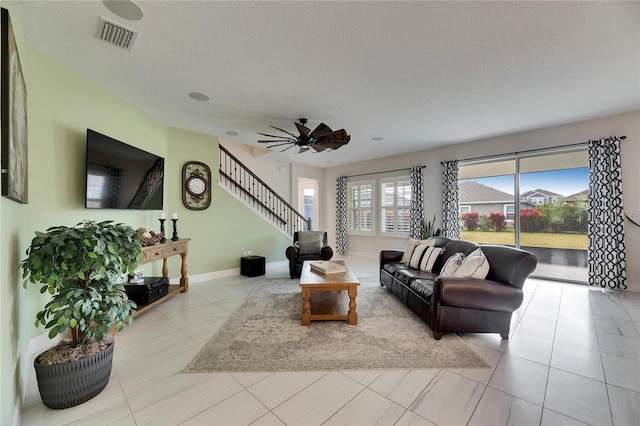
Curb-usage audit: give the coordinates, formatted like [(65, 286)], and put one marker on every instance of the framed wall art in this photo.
[(13, 136)]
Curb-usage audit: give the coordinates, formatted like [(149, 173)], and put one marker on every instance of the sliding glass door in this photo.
[(552, 190)]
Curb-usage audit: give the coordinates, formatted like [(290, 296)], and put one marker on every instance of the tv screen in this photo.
[(121, 176)]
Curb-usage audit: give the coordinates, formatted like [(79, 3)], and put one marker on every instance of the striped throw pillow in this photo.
[(424, 257)]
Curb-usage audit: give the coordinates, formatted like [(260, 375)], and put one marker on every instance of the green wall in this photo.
[(62, 104), (220, 234)]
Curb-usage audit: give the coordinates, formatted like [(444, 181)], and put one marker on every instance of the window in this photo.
[(395, 205), (510, 212), (360, 207), (464, 209), (551, 213)]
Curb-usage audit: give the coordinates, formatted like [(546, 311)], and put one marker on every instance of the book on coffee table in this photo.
[(326, 267)]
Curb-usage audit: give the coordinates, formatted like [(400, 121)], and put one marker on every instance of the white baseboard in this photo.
[(634, 287), (207, 276), (35, 347)]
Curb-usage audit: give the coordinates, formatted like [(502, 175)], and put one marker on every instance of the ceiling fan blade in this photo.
[(276, 140), (317, 147), (335, 140), (283, 131), (321, 131), (276, 136), (302, 129), (289, 147), (280, 144)]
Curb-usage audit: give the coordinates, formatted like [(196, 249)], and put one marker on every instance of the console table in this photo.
[(164, 251)]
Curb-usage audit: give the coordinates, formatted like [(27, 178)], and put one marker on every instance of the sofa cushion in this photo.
[(451, 265), (475, 265), (422, 287), (424, 257), (405, 276), (309, 247), (392, 268)]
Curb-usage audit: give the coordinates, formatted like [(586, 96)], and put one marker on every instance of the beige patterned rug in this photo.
[(265, 334)]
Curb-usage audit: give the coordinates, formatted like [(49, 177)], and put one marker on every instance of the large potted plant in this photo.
[(81, 268)]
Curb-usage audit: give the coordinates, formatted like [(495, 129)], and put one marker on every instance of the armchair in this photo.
[(307, 245)]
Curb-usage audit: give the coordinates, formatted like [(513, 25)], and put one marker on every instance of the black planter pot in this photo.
[(70, 384)]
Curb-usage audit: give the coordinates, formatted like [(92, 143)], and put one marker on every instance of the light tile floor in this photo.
[(573, 358)]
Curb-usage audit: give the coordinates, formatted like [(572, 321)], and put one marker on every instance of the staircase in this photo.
[(149, 186), (242, 183)]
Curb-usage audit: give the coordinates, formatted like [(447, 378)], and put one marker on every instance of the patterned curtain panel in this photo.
[(606, 254), (417, 202), (341, 215), (112, 188), (450, 220)]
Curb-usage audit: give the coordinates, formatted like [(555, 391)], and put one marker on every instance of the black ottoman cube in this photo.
[(252, 266)]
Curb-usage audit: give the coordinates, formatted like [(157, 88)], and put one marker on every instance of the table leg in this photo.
[(353, 315), (184, 278), (306, 306)]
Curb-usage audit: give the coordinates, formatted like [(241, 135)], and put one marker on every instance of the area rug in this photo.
[(265, 334)]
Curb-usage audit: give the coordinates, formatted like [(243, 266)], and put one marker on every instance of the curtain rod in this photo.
[(377, 173), (528, 151)]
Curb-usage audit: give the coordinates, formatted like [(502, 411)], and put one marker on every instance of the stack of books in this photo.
[(326, 267)]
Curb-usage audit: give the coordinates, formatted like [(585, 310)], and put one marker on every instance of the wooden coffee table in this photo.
[(329, 302)]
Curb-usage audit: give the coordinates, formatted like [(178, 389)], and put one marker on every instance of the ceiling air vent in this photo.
[(116, 34)]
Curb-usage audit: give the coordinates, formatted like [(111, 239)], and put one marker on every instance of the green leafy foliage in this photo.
[(428, 229), (80, 267)]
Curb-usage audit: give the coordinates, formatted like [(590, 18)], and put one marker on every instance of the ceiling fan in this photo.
[(320, 139)]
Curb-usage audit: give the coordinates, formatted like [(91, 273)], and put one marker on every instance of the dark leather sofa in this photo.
[(461, 305), (297, 257)]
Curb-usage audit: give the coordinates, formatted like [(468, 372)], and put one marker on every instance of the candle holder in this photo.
[(164, 239), (175, 230)]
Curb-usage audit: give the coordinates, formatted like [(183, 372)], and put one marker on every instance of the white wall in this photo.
[(616, 125)]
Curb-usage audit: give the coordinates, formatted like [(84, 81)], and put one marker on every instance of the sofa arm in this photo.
[(292, 253), (387, 256), (326, 253), (473, 293)]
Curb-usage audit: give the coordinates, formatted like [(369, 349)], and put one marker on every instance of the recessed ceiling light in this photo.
[(126, 9), (377, 138), (231, 133), (199, 96)]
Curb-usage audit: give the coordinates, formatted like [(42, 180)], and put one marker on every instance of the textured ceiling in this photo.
[(418, 74)]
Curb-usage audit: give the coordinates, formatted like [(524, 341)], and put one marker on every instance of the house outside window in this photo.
[(395, 206), (509, 213), (360, 207)]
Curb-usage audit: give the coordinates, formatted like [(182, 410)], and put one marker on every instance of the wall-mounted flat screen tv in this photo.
[(121, 176)]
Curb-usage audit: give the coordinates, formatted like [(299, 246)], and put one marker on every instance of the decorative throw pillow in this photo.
[(451, 265), (411, 244), (424, 257), (309, 247), (475, 265), (408, 251)]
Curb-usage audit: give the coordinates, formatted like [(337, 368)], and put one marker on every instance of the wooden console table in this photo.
[(164, 251)]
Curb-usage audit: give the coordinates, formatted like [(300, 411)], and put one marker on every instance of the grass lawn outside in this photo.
[(531, 239)]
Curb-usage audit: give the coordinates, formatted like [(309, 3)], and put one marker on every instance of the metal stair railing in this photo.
[(151, 183), (254, 192)]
